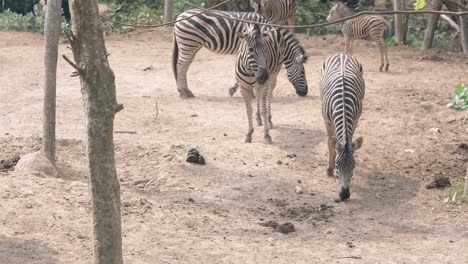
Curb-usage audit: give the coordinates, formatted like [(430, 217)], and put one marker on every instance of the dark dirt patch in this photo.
[(9, 164), (271, 223), (305, 212), (194, 156), (285, 228), (441, 182)]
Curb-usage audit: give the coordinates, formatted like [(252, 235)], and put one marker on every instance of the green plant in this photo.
[(457, 192), (28, 22), (459, 98), (135, 14)]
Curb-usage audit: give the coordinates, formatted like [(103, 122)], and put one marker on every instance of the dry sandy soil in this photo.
[(176, 212)]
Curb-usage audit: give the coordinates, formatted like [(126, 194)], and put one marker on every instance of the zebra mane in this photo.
[(345, 158), (348, 10)]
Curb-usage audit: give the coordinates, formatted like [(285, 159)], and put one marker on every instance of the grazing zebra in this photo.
[(258, 63), (277, 11), (342, 91), (361, 27), (214, 32)]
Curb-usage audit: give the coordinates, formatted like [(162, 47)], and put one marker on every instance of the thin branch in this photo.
[(451, 22), (74, 65), (157, 110)]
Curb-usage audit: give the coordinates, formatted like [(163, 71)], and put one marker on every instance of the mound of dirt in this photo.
[(36, 163)]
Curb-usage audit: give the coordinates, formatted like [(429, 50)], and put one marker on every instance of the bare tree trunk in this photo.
[(431, 26), (399, 23), (51, 40), (465, 192), (463, 30), (167, 11), (98, 89)]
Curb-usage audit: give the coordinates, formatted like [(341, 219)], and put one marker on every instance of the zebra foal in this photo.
[(342, 91), (276, 11), (262, 52), (215, 31), (361, 27)]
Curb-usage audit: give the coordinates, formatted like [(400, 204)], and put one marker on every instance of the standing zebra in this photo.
[(258, 63), (215, 32), (342, 91), (361, 27), (277, 11)]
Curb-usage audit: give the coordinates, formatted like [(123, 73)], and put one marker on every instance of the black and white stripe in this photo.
[(361, 27), (258, 63), (211, 30), (342, 91), (277, 11)]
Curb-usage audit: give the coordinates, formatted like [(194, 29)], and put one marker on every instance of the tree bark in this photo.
[(51, 40), (431, 26), (463, 31), (167, 11), (465, 191), (100, 103), (399, 23)]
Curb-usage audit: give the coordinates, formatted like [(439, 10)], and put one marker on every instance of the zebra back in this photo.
[(342, 91), (212, 30), (277, 11)]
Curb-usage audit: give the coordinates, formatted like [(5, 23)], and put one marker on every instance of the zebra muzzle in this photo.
[(262, 76)]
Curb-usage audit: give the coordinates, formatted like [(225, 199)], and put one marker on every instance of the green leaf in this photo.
[(419, 4)]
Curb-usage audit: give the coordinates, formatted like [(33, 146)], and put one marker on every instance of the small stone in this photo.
[(285, 228), (191, 200), (299, 190), (279, 162)]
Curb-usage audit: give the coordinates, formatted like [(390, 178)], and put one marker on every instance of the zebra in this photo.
[(277, 11), (262, 52), (215, 32), (361, 27), (342, 91)]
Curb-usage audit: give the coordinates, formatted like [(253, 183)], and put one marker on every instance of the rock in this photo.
[(9, 164), (299, 190), (440, 182), (271, 223), (36, 163)]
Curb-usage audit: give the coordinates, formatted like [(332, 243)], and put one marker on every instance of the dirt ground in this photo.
[(176, 212)]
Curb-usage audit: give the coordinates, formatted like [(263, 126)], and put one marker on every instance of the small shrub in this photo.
[(459, 98), (457, 192), (137, 14)]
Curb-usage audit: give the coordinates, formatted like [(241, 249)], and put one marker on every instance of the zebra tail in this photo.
[(175, 56), (387, 24)]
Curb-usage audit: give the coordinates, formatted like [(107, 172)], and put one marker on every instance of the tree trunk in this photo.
[(463, 32), (465, 192), (431, 26), (99, 96), (399, 23), (167, 11), (51, 40)]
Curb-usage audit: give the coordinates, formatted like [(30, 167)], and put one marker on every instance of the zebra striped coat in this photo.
[(342, 91), (361, 27), (210, 30), (277, 11), (258, 63)]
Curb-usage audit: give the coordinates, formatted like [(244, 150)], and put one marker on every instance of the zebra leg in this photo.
[(264, 111), (386, 56), (271, 88), (258, 97), (382, 50), (291, 22), (348, 45), (183, 63), (331, 150), (246, 93)]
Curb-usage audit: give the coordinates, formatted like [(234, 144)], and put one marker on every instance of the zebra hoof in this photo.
[(386, 67), (186, 94), (248, 139), (268, 139), (330, 172)]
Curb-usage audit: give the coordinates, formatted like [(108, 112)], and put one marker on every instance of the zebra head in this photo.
[(338, 11), (294, 63), (344, 164), (254, 50)]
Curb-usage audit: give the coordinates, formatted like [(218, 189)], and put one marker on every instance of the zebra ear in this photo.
[(357, 144), (302, 58)]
